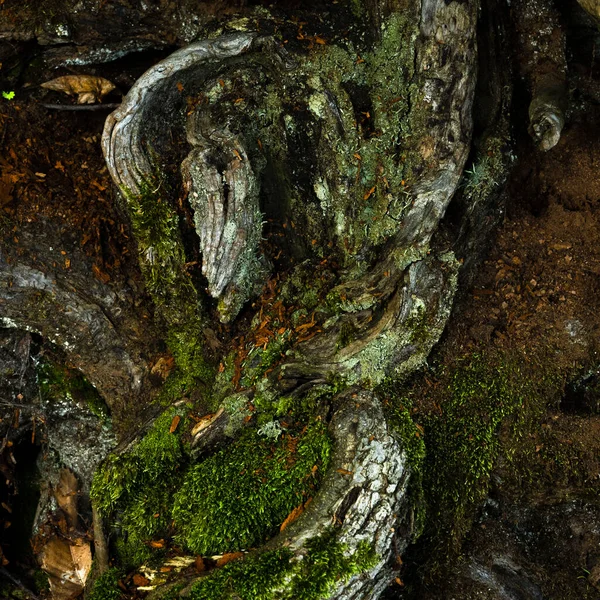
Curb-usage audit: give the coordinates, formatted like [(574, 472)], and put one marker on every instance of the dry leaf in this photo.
[(163, 367), (345, 472), (292, 516), (140, 580), (227, 558), (199, 564), (205, 421), (157, 544), (88, 88), (174, 424), (67, 565), (66, 496)]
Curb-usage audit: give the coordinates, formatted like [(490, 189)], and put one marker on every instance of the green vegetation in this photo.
[(106, 587), (274, 575), (58, 383), (137, 487), (238, 497), (155, 225), (485, 396), (234, 499), (8, 95)]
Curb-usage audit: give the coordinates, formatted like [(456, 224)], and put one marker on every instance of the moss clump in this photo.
[(463, 442), (398, 410), (106, 587), (238, 497), (276, 574), (155, 225), (58, 383), (136, 488)]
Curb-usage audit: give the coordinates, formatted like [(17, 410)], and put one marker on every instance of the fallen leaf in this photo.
[(205, 422), (157, 543), (227, 558), (88, 88), (174, 424), (369, 193), (140, 580), (345, 472), (199, 564), (66, 496), (68, 565), (101, 275), (296, 512)]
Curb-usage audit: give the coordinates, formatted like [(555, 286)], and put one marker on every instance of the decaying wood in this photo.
[(543, 63), (405, 289), (226, 211)]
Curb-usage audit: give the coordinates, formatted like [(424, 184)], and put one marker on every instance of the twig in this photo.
[(99, 541), (6, 574), (109, 106)]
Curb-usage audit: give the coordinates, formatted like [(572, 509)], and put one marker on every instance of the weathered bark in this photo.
[(357, 170), (396, 308)]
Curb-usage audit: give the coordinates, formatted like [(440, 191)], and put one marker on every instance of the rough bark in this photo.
[(300, 135)]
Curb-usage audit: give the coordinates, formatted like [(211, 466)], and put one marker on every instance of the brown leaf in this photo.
[(199, 564), (157, 543), (88, 87), (292, 516), (68, 566), (66, 496), (345, 472), (205, 421), (174, 424), (227, 558), (101, 275), (139, 580)]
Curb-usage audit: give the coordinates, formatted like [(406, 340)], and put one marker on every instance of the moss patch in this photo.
[(155, 225), (136, 488), (469, 412), (59, 382), (238, 497), (106, 587), (273, 574)]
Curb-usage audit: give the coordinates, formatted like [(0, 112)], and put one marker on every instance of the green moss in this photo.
[(238, 497), (136, 488), (40, 579), (487, 172), (398, 409), (58, 383), (155, 225), (106, 587), (276, 575), (463, 442)]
